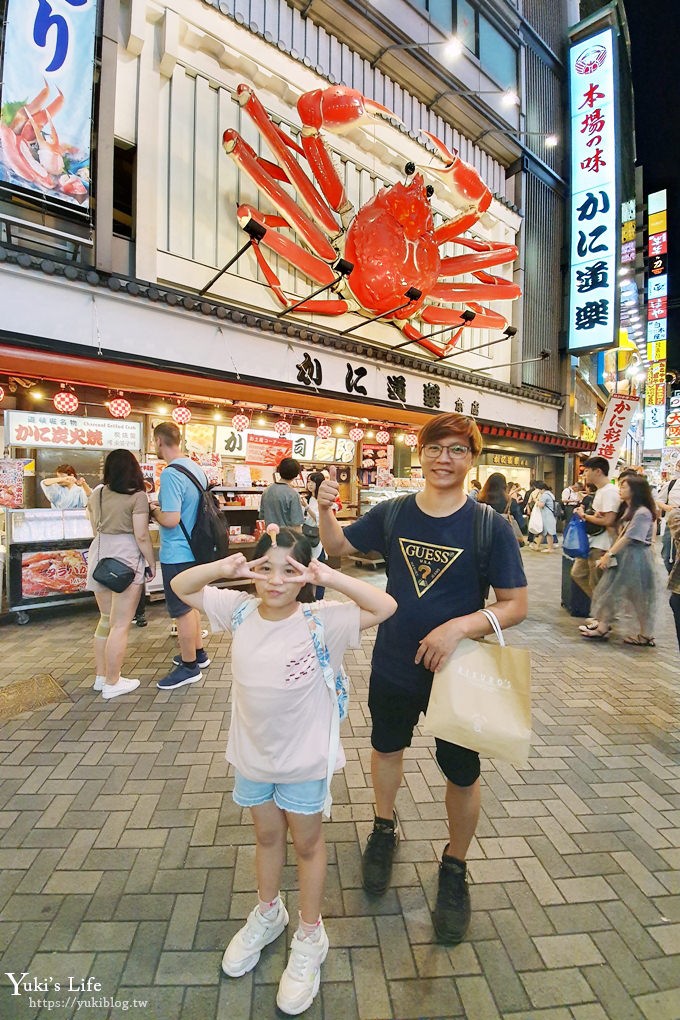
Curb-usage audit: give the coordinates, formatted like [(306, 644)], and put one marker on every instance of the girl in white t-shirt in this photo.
[(281, 739)]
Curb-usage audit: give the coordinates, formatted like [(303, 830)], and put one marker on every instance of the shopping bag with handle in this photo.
[(481, 698)]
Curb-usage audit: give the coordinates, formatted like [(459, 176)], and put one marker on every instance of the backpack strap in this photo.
[(316, 629), (482, 537), (188, 474), (394, 508)]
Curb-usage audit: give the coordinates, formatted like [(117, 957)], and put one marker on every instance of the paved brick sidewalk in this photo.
[(124, 859)]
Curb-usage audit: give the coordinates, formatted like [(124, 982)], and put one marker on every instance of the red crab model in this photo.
[(391, 241)]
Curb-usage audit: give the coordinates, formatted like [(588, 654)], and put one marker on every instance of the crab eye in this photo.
[(410, 169), (429, 191)]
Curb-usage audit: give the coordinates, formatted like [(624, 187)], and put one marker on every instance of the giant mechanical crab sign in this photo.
[(391, 241)]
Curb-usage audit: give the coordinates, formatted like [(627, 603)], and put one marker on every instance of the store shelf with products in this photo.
[(370, 497)]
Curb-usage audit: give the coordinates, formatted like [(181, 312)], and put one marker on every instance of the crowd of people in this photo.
[(288, 640)]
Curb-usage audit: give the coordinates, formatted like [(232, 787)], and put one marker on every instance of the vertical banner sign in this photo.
[(657, 321), (46, 98), (614, 427), (594, 201)]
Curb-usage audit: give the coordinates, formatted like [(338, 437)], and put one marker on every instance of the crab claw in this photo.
[(467, 192), (339, 109)]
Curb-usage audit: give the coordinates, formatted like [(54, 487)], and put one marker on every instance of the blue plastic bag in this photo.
[(575, 541)]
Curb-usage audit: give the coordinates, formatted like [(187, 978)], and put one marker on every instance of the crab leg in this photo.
[(241, 153), (311, 266), (466, 190), (484, 317), (486, 255), (310, 198), (20, 159), (25, 129), (490, 288), (417, 337)]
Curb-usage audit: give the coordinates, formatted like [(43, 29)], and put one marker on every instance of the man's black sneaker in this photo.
[(376, 863), (451, 916), (202, 661)]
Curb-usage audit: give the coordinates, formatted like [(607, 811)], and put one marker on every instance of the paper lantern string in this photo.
[(272, 531)]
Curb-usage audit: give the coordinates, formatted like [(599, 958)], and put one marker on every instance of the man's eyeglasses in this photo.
[(434, 450)]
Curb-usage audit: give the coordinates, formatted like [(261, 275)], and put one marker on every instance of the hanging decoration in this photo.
[(281, 427), (119, 407), (411, 439), (2, 394), (240, 422), (65, 400), (324, 431), (181, 414), (356, 434), (382, 436)]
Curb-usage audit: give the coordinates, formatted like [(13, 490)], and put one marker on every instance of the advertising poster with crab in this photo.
[(46, 98), (55, 572), (12, 483)]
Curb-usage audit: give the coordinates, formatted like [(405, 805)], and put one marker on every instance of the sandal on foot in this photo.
[(640, 640), (596, 635), (587, 628)]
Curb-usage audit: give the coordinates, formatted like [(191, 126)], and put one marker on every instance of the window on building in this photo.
[(466, 25), (124, 164), (441, 13), (497, 55)]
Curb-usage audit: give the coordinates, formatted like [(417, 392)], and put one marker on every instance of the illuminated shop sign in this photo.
[(595, 240), (657, 321)]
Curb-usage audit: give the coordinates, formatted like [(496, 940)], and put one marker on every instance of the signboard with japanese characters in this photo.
[(614, 427), (46, 98), (657, 321), (595, 236), (33, 429)]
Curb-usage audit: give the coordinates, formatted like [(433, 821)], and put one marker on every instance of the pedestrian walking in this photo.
[(628, 567), (668, 500), (570, 499), (475, 488), (176, 516), (439, 569), (119, 514), (280, 503), (546, 504), (282, 741), (673, 524), (496, 493), (600, 518)]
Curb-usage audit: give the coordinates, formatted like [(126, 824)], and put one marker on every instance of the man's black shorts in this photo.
[(173, 603), (395, 712)]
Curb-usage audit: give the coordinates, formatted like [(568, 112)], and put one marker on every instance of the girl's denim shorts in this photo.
[(300, 798)]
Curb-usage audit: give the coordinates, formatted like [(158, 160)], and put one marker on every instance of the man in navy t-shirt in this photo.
[(434, 576)]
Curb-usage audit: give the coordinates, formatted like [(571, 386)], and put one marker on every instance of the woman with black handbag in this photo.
[(119, 557)]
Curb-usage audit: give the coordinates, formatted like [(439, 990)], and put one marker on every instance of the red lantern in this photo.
[(65, 401), (2, 394), (324, 431), (356, 434), (240, 422), (181, 414), (282, 427), (119, 407), (411, 439), (382, 437)]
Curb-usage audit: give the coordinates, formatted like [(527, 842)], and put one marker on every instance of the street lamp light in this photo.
[(454, 48)]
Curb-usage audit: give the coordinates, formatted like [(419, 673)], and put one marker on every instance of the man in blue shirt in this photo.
[(434, 576), (179, 500)]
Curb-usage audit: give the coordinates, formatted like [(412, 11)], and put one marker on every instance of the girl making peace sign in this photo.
[(281, 735)]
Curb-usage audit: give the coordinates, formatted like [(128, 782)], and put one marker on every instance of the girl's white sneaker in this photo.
[(300, 980), (124, 686), (244, 950)]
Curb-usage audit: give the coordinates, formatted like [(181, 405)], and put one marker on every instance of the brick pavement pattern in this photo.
[(125, 860)]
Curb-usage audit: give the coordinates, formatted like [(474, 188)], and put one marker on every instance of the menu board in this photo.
[(12, 483), (267, 450)]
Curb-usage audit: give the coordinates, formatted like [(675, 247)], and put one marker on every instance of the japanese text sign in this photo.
[(266, 450), (34, 429), (595, 235), (614, 427), (46, 98)]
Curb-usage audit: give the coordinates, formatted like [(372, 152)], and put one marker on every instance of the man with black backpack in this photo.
[(442, 550), (181, 485)]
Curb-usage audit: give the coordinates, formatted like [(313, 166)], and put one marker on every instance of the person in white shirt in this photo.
[(599, 523), (668, 500), (283, 738), (570, 499)]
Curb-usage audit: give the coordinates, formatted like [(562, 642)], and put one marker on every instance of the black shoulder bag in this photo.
[(112, 573)]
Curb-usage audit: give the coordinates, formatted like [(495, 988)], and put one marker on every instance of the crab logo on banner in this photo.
[(390, 245), (594, 198), (46, 98)]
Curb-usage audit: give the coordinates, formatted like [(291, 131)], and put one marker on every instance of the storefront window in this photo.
[(497, 55)]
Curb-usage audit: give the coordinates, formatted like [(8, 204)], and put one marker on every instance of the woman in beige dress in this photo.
[(119, 513)]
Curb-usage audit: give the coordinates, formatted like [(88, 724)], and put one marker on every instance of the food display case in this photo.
[(46, 558)]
